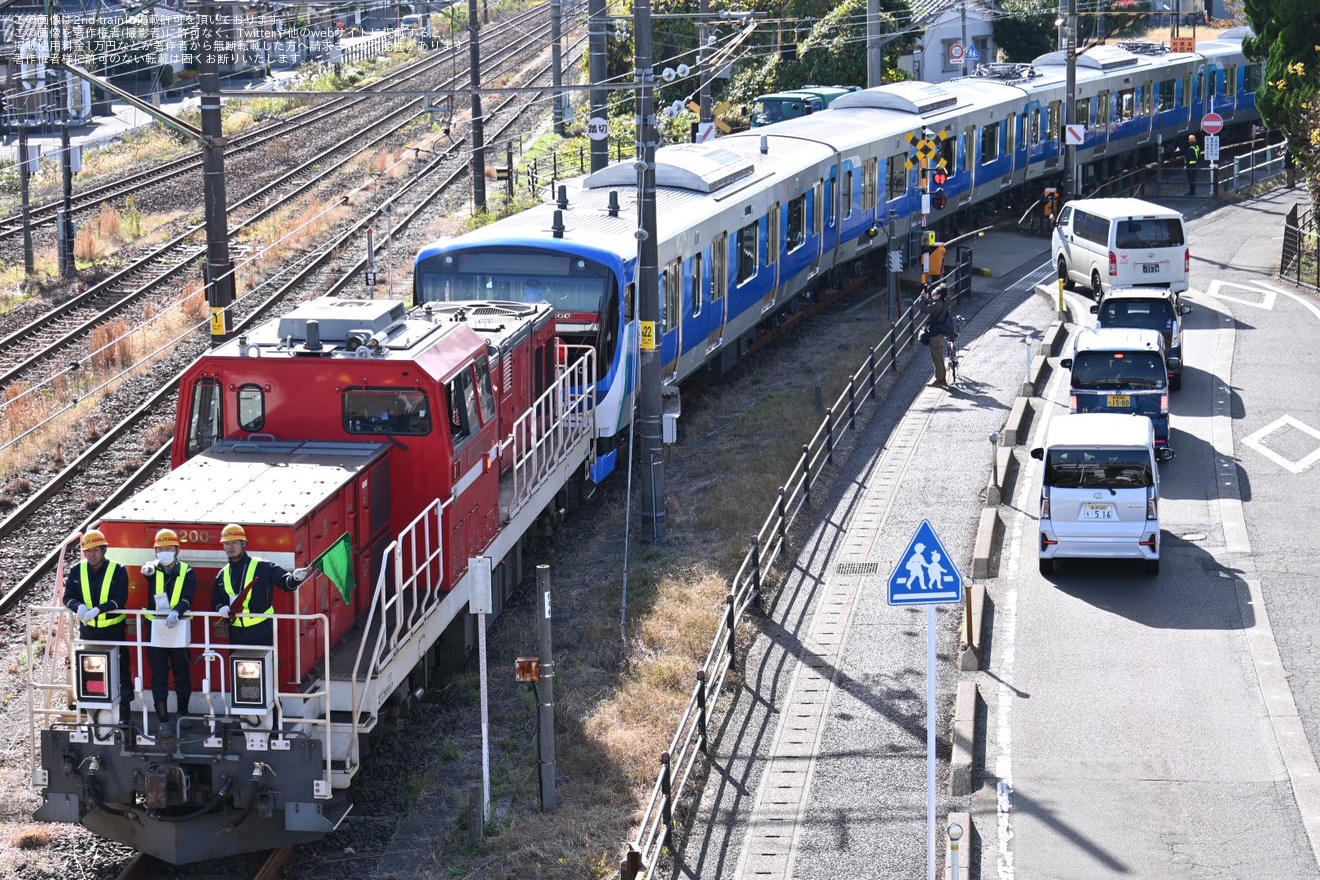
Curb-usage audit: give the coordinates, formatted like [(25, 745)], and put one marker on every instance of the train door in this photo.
[(671, 324), (1017, 146), (773, 246), (816, 223), (1104, 121), (719, 289), (830, 226), (1054, 144)]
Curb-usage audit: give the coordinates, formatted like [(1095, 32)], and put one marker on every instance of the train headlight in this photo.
[(98, 677), (253, 687)]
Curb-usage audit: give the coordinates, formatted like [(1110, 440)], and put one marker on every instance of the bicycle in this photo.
[(951, 349)]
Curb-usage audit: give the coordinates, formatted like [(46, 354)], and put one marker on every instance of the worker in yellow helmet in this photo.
[(96, 590), (245, 590), (172, 585)]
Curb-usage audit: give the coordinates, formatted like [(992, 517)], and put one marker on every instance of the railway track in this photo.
[(85, 199), (142, 867), (49, 339)]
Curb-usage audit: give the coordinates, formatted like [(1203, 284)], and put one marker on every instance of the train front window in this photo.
[(386, 411), (206, 417), (569, 284)]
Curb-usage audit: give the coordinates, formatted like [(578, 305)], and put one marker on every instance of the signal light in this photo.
[(941, 176), (940, 200)]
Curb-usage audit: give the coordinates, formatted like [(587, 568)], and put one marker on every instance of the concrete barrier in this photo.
[(987, 540), (964, 739), (969, 658), (1018, 424)]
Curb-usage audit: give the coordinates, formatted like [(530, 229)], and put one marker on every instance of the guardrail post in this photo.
[(667, 805), (730, 621), (875, 380), (852, 404), (701, 710), (893, 345), (630, 865), (829, 435)]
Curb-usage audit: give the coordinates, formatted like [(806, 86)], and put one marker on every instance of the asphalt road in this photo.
[(1167, 727)]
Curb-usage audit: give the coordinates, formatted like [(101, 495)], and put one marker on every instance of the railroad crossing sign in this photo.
[(926, 150), (1212, 123), (925, 575)]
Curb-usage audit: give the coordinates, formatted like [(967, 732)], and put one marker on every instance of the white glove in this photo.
[(149, 569), (87, 615), (300, 574), (172, 621), (224, 611), (82, 609), (162, 603)]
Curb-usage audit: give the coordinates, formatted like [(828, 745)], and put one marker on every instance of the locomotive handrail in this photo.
[(563, 414), (47, 715), (690, 738)]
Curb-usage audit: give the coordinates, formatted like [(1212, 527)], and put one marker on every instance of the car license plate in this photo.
[(1120, 400), (1097, 511), (1150, 268)]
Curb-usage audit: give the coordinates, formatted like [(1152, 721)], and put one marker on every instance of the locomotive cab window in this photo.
[(386, 411), (206, 421), (251, 408), (486, 391), (462, 398)]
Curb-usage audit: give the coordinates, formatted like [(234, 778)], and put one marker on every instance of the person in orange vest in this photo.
[(95, 589), (245, 590), (173, 585)]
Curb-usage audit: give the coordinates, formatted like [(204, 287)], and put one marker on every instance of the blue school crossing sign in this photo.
[(925, 574)]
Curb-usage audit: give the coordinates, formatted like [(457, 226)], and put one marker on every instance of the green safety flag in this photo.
[(337, 564)]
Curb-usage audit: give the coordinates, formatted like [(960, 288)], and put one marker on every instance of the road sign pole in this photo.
[(930, 743)]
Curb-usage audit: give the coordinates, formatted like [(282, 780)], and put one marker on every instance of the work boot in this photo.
[(162, 712)]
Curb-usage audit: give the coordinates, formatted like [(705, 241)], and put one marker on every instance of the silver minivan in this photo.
[(1100, 493), (1108, 243)]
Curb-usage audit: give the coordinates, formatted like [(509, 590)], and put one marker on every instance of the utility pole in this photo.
[(648, 285), (557, 66), (1070, 100), (875, 63), (596, 67), (962, 8), (546, 692), (219, 271), (29, 261), (478, 130), (68, 268), (703, 64)]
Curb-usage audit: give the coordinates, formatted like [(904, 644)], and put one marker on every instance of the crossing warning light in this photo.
[(940, 199), (940, 176)]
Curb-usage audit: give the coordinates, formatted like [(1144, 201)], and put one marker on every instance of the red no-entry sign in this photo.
[(1212, 123)]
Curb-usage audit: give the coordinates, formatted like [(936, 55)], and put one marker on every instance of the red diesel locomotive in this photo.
[(383, 447)]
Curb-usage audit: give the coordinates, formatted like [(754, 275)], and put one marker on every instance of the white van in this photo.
[(1100, 494), (1108, 243)]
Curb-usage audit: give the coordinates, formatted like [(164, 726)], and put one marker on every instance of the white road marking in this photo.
[(1264, 295), (1257, 442)]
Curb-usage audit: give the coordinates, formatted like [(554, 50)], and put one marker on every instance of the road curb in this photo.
[(964, 739)]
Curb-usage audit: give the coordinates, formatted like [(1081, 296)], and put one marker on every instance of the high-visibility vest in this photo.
[(160, 587), (1193, 155), (246, 618), (100, 620)]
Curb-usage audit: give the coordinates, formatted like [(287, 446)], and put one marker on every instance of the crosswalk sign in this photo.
[(925, 574), (973, 54)]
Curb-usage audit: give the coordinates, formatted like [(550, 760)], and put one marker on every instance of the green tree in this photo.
[(1026, 29), (1286, 34)]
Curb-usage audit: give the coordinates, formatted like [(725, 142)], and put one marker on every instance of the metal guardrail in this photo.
[(690, 741), (1299, 260)]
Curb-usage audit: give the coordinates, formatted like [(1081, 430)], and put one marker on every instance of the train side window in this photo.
[(990, 142), (1187, 90), (697, 286), (949, 153), (206, 419), (1168, 94), (1011, 133), (1147, 105), (846, 194), (1104, 111), (869, 179), (774, 234), (671, 282), (817, 216), (1083, 112), (1056, 120), (720, 267), (797, 223), (251, 408), (747, 267), (896, 178), (1232, 80), (462, 407), (1251, 78), (386, 411), (1127, 104), (830, 186), (1035, 126), (485, 391)]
